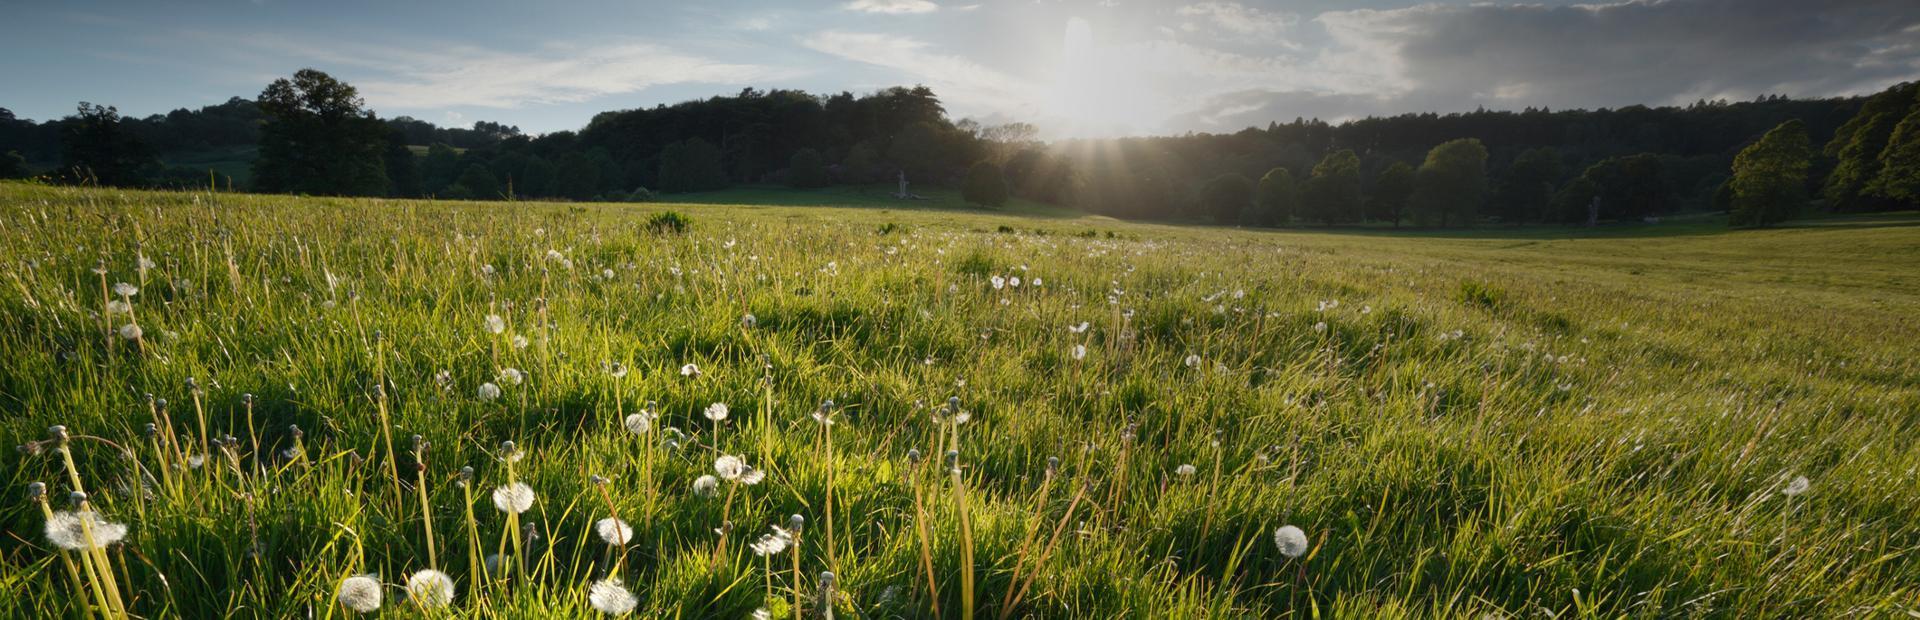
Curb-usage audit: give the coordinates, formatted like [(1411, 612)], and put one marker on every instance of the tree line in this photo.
[(312, 134)]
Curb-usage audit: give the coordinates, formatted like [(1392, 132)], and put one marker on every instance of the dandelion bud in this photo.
[(796, 523), (826, 580), (294, 430), (192, 386), (913, 456), (37, 491), (953, 402), (1053, 464), (419, 443), (77, 498), (597, 480), (247, 399), (953, 459), (58, 432), (150, 430), (826, 405), (507, 447), (466, 473)]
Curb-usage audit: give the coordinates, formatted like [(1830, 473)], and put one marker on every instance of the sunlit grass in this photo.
[(1528, 423)]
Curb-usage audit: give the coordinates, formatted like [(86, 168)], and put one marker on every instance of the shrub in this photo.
[(669, 222)]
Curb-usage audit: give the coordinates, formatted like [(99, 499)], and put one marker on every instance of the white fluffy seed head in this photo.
[(639, 423), (1186, 470), (610, 597), (717, 411), (69, 530), (495, 324), (613, 531), (729, 467), (430, 588), (706, 486), (515, 498), (130, 331), (488, 391), (1291, 541), (125, 290), (1798, 485), (360, 593)]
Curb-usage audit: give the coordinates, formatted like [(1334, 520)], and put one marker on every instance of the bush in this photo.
[(985, 185), (669, 222)]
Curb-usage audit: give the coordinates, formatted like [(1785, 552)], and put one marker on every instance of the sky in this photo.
[(1074, 68)]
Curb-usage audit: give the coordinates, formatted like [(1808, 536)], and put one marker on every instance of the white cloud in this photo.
[(401, 77), (1240, 21), (959, 81), (893, 7)]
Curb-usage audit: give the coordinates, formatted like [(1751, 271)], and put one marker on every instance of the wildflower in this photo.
[(998, 282), (512, 376), (706, 486), (689, 370), (1193, 361), (1798, 485), (360, 593), (1320, 328), (639, 423), (1079, 352), (772, 544), (1185, 470), (495, 324), (430, 588), (130, 331), (68, 530), (613, 531), (1291, 541), (488, 391), (1079, 329), (611, 598), (125, 290), (717, 411), (515, 498)]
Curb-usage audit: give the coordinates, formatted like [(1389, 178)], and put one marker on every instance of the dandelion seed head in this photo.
[(1291, 541), (130, 331), (360, 593), (430, 588), (1798, 485), (729, 466), (717, 411), (639, 423), (514, 498), (690, 370), (69, 530), (610, 597), (512, 376), (613, 531), (495, 324), (488, 391), (1193, 361), (125, 290), (706, 485), (1185, 470)]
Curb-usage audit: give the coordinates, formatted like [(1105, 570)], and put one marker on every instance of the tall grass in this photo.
[(1586, 426)]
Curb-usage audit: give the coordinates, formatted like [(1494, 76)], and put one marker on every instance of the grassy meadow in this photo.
[(1494, 423)]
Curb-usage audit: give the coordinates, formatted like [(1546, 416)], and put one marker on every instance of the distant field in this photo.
[(864, 196), (1491, 423)]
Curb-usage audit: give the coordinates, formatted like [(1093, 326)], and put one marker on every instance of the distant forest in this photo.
[(311, 134)]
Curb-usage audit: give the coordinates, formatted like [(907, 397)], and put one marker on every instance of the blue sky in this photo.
[(1075, 68)]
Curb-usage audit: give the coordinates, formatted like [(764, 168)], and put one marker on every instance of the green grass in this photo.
[(864, 196), (1557, 421)]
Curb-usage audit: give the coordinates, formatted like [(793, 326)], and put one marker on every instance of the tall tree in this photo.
[(1770, 177), (1276, 199), (1332, 195), (100, 149), (807, 169), (1391, 191), (1451, 183), (1226, 196), (691, 166), (985, 185), (1527, 186), (1898, 182), (319, 139), (1857, 146)]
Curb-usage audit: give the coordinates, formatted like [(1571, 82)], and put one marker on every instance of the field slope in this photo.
[(1519, 423)]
